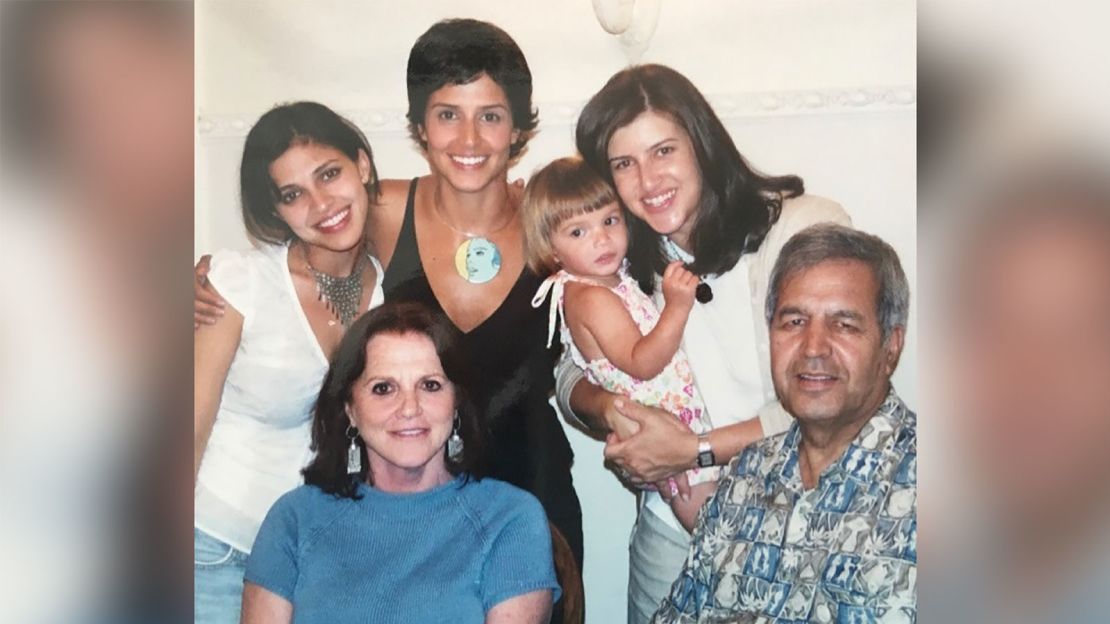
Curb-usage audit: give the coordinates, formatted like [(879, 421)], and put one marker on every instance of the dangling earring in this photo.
[(354, 458), (455, 442)]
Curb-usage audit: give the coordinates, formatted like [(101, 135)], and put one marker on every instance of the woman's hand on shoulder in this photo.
[(208, 305)]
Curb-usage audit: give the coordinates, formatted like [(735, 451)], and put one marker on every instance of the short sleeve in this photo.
[(273, 562), (520, 560), (233, 275)]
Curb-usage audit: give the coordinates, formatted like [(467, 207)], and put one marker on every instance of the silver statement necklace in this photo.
[(477, 258), (341, 295)]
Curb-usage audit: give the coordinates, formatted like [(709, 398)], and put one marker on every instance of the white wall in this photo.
[(818, 88)]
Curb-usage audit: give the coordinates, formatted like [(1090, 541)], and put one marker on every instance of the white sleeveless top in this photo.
[(261, 435)]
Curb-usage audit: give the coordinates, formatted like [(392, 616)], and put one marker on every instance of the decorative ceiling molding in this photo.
[(392, 122)]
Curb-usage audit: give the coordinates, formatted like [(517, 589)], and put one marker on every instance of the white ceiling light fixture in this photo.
[(633, 22)]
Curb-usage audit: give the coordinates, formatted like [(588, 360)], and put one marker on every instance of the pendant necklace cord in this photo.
[(477, 258), (438, 211)]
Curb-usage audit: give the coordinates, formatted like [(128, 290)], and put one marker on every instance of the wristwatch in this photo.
[(705, 452)]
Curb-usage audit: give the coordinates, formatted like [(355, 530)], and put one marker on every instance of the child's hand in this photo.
[(677, 486), (679, 286), (622, 426), (686, 509)]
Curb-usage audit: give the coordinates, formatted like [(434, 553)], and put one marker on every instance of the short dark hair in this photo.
[(738, 205), (830, 241), (459, 51), (275, 132), (328, 470)]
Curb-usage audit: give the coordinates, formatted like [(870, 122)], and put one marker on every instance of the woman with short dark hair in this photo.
[(455, 243)]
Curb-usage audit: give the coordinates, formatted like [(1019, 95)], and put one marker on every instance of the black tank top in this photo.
[(511, 378)]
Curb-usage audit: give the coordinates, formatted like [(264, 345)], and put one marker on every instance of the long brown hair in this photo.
[(738, 205)]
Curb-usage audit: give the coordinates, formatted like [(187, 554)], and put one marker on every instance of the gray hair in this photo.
[(829, 241)]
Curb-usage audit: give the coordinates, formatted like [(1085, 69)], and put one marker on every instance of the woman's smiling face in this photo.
[(656, 173), (403, 406), (468, 130), (322, 194)]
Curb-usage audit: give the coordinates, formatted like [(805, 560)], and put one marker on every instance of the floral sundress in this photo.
[(673, 389)]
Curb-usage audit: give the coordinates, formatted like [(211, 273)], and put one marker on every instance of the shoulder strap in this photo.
[(406, 255), (553, 285)]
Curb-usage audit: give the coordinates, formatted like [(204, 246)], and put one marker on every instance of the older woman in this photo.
[(693, 198), (393, 523)]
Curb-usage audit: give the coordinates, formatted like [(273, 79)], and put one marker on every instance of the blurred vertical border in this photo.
[(96, 179), (1014, 245)]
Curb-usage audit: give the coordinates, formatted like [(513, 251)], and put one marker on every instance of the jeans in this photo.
[(656, 554), (217, 580)]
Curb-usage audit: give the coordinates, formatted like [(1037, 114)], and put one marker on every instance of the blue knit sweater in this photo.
[(445, 555)]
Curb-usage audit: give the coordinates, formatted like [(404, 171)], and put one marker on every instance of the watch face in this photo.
[(705, 459)]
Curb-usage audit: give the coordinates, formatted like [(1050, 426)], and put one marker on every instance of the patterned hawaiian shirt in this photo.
[(767, 550)]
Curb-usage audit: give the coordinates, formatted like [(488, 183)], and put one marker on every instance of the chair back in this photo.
[(573, 602)]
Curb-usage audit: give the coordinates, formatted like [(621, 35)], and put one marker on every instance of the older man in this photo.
[(819, 524)]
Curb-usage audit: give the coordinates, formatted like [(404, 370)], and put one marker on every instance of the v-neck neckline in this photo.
[(435, 295), (306, 326), (498, 310)]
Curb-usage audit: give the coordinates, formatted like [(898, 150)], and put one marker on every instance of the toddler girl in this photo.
[(575, 228)]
